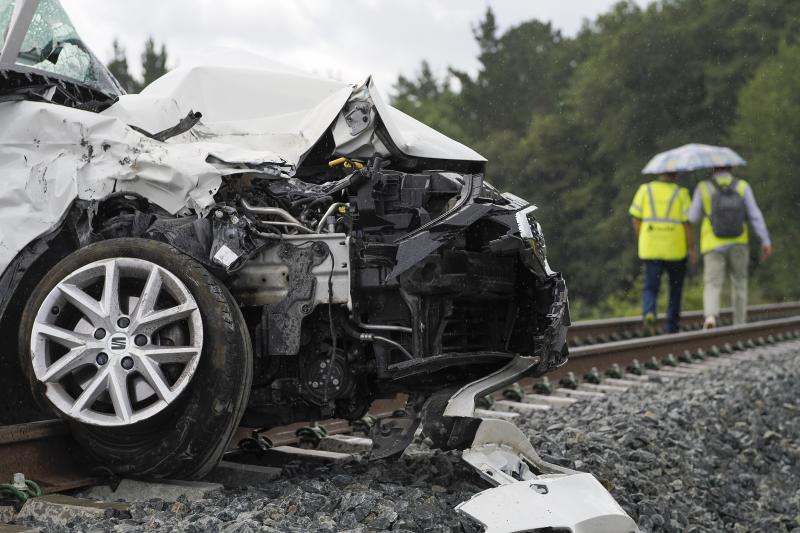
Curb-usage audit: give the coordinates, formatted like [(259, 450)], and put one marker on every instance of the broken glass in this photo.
[(53, 45), (6, 13)]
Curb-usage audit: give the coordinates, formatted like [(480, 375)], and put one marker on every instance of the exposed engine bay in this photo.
[(371, 282), (433, 283)]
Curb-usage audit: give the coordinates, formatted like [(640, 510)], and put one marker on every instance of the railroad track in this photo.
[(45, 451), (615, 329), (612, 363), (583, 358)]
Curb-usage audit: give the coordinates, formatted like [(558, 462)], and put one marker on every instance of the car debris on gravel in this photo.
[(717, 451)]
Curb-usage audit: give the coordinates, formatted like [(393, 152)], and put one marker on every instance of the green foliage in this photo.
[(568, 123), (430, 101), (154, 62), (629, 303), (768, 127), (154, 65), (521, 75), (119, 68)]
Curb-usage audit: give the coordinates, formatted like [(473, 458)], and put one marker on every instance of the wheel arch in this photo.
[(18, 281), (84, 222)]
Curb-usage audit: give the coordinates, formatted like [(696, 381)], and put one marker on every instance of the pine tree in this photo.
[(119, 68), (154, 62), (424, 87), (154, 65), (486, 33), (568, 122)]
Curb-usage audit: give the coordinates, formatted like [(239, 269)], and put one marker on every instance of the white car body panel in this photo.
[(528, 493), (576, 502), (51, 155), (271, 116)]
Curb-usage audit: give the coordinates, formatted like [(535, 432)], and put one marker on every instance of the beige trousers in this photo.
[(734, 260)]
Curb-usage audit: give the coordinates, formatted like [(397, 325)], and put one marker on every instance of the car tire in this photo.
[(180, 433)]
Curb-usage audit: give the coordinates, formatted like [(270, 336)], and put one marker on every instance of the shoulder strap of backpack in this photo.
[(707, 195)]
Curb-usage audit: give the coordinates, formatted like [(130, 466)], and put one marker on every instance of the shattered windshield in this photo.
[(6, 12), (52, 44)]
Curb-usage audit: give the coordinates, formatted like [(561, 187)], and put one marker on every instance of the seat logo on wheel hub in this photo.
[(118, 343)]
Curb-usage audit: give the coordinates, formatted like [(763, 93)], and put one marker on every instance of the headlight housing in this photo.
[(531, 232)]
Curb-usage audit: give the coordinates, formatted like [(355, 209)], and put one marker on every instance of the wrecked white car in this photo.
[(242, 243)]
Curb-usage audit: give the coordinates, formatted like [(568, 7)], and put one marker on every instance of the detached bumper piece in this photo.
[(529, 494), (576, 503), (556, 497)]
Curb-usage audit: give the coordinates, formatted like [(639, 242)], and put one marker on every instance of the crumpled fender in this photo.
[(52, 155)]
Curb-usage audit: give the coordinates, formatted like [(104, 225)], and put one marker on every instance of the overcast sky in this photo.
[(344, 39)]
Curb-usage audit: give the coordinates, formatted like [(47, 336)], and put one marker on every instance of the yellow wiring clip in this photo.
[(346, 163), (342, 209)]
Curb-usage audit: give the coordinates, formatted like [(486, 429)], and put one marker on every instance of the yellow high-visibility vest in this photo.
[(708, 240), (663, 208)]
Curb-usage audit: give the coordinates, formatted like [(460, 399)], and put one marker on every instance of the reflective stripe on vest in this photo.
[(666, 218), (708, 239)]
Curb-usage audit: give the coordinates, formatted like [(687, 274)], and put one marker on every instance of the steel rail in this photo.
[(583, 358), (613, 329), (45, 452)]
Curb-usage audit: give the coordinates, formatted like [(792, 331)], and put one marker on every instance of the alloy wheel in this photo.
[(116, 341)]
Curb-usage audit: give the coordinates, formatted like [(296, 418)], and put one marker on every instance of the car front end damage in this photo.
[(377, 283), (422, 308), (397, 282), (363, 253), (463, 294)]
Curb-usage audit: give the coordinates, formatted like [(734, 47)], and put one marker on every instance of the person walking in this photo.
[(659, 213), (726, 205)]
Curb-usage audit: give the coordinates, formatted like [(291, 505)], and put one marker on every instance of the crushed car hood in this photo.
[(258, 116), (257, 104)]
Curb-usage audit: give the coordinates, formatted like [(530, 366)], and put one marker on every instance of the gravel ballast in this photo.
[(719, 451), (715, 452)]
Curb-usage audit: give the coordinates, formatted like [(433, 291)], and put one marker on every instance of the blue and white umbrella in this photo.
[(693, 157)]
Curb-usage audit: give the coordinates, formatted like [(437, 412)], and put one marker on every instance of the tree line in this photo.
[(154, 65), (569, 122)]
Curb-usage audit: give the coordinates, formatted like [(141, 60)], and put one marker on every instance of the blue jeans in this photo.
[(676, 271)]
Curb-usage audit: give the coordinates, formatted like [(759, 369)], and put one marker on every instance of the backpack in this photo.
[(728, 210)]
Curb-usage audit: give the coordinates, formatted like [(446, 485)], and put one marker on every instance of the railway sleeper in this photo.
[(520, 407), (554, 401), (579, 394), (611, 389)]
